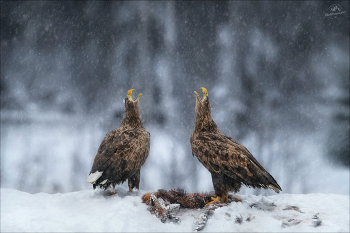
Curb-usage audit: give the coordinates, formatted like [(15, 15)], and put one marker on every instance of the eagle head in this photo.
[(202, 105), (132, 117), (130, 104), (203, 115)]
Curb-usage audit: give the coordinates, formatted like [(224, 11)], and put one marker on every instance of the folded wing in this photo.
[(221, 154)]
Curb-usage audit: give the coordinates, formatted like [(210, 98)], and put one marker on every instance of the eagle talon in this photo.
[(112, 193), (130, 190), (213, 200)]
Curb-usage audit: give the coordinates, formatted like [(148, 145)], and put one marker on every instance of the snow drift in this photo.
[(96, 211)]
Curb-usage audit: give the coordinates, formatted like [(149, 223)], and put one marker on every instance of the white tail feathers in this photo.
[(103, 182), (93, 177)]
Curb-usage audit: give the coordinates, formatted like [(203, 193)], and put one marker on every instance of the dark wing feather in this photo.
[(121, 154), (221, 154)]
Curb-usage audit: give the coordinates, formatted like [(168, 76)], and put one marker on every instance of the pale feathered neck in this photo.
[(132, 120)]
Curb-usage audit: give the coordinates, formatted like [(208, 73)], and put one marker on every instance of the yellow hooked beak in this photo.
[(138, 97), (205, 92), (196, 94), (129, 95)]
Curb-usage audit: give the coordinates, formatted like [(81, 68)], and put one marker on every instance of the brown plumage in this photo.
[(229, 163), (123, 151)]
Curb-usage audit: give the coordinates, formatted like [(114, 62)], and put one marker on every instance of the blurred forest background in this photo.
[(277, 74)]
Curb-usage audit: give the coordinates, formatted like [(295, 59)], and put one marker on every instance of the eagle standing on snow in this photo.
[(229, 163), (123, 151)]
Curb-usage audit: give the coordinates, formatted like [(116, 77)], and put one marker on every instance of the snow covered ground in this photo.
[(95, 211)]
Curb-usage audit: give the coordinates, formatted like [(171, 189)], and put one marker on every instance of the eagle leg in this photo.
[(220, 187), (112, 193), (213, 200), (134, 181), (224, 198)]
